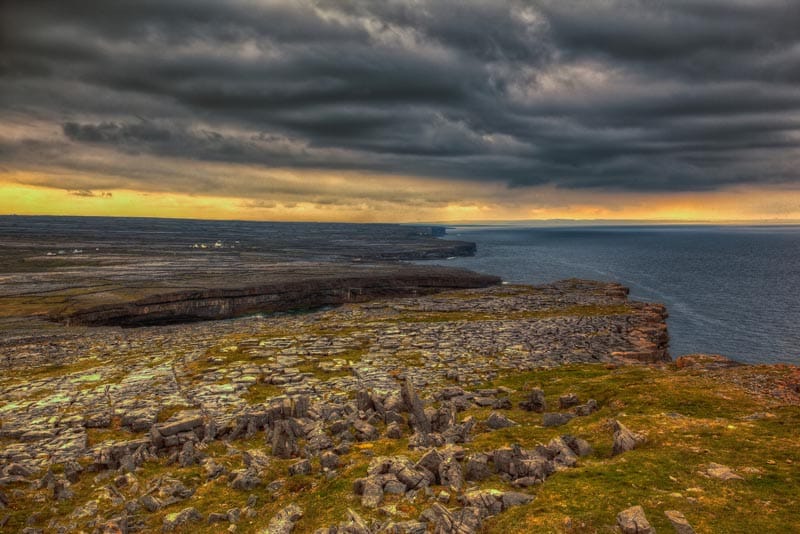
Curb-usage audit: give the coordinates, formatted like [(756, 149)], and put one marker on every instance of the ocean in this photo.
[(731, 290)]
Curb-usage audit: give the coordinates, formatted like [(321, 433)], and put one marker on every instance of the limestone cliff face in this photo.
[(221, 303), (648, 332)]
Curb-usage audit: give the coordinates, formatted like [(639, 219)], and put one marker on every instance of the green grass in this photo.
[(56, 371), (166, 412), (458, 315), (311, 365), (259, 393), (658, 475)]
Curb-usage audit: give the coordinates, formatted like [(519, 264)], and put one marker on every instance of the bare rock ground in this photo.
[(111, 402)]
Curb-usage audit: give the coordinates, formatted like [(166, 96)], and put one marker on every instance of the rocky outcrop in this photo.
[(278, 296)]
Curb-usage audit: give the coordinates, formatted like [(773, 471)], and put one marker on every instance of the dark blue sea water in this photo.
[(729, 290)]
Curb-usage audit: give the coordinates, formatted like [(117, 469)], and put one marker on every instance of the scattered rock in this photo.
[(72, 470), (579, 446), (535, 401), (372, 493), (177, 519), (568, 401), (115, 525), (514, 498), (212, 469), (722, 472), (497, 420), (150, 503), (450, 474), (586, 409), (329, 460), (217, 517), (61, 490), (679, 522), (172, 490), (477, 467), (624, 439), (556, 419), (186, 422), (188, 455), (464, 521), (431, 461), (284, 521), (394, 431), (301, 467), (245, 479), (633, 521), (365, 431)]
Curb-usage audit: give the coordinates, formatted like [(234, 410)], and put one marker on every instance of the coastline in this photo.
[(507, 408)]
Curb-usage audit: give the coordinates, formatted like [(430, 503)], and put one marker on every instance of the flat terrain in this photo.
[(65, 269)]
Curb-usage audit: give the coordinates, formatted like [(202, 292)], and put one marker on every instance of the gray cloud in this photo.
[(87, 193), (621, 95)]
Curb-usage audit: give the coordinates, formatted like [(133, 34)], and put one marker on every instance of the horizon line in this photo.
[(488, 222)]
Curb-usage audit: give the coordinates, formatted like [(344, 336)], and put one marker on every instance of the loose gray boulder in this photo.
[(722, 472), (245, 479), (633, 521), (535, 401), (150, 503), (431, 461), (556, 419), (497, 420), (329, 460), (568, 401), (450, 474), (586, 409), (301, 467), (679, 522), (365, 431), (579, 446), (188, 455), (172, 490), (372, 494), (477, 467), (394, 431), (624, 439), (177, 519), (284, 521), (464, 521)]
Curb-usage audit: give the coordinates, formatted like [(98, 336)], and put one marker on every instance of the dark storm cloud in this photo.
[(619, 95)]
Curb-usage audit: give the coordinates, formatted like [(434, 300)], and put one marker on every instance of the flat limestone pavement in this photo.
[(236, 420)]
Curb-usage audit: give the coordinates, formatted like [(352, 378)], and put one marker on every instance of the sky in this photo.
[(412, 110)]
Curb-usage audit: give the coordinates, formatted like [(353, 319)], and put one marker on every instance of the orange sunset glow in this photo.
[(316, 111)]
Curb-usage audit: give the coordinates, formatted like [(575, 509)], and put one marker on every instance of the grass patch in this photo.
[(690, 420), (115, 432), (260, 393), (166, 413), (458, 315), (56, 371), (312, 366)]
